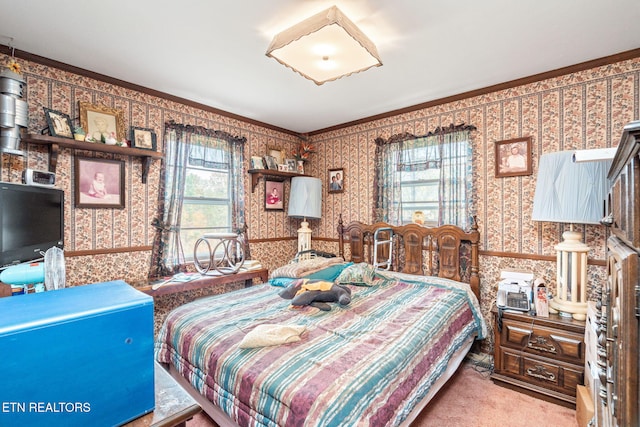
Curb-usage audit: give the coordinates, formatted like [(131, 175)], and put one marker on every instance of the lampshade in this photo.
[(305, 199), (570, 192), (324, 47)]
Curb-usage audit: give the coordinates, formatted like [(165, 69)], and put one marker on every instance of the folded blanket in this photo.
[(267, 335), (305, 267)]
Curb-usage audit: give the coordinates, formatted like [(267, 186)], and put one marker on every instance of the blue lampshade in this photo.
[(570, 192), (305, 198)]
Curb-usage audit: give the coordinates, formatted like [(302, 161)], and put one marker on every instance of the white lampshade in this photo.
[(570, 192), (305, 199), (324, 47)]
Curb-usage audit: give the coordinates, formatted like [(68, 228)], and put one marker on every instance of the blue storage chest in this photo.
[(79, 356)]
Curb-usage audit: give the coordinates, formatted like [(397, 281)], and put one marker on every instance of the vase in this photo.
[(301, 167)]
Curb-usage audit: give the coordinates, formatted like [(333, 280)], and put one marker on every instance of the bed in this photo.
[(376, 361)]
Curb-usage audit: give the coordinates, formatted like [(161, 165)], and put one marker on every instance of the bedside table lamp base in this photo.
[(571, 298)]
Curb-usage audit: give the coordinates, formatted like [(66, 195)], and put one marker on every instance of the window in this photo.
[(206, 206), (430, 174), (203, 193)]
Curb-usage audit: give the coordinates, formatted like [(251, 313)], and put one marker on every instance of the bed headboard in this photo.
[(446, 251)]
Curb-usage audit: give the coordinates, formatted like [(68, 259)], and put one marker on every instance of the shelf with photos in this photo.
[(55, 142), (256, 174)]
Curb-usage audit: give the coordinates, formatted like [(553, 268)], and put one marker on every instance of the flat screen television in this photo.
[(31, 222)]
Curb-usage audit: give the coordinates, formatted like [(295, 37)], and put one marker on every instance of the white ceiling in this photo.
[(213, 51)]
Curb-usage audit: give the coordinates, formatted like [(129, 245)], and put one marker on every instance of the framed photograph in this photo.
[(276, 153), (256, 162), (273, 195), (59, 123), (335, 182), (99, 183), (513, 157), (271, 162), (291, 163), (100, 121), (143, 138)]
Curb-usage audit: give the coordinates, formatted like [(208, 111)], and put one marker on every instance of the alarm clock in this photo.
[(39, 178)]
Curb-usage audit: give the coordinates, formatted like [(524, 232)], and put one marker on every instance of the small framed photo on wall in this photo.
[(513, 157), (99, 183), (335, 182), (273, 195)]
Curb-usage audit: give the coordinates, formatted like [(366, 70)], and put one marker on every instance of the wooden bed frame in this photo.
[(445, 251)]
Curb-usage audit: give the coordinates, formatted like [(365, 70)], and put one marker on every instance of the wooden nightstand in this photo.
[(540, 356)]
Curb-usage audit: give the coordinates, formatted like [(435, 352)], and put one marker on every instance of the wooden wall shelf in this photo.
[(256, 174), (54, 143)]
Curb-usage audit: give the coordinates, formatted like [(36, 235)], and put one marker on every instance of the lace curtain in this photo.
[(446, 149), (183, 145)]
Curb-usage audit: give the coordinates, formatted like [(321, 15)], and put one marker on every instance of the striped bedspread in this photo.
[(367, 363)]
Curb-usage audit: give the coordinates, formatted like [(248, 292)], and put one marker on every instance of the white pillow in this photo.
[(267, 335)]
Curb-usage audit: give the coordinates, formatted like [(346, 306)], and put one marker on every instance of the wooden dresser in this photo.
[(541, 356), (618, 310)]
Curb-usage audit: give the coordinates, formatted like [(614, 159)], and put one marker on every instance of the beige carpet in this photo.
[(470, 398)]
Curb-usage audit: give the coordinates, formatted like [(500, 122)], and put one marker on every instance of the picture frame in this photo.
[(277, 154), (99, 183), (291, 163), (257, 162), (335, 180), (513, 157), (59, 123), (143, 138), (99, 121), (271, 162), (273, 195)]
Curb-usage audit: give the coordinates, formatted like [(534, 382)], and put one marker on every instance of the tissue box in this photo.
[(77, 356)]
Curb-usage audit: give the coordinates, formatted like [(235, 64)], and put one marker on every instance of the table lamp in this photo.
[(572, 193), (305, 201)]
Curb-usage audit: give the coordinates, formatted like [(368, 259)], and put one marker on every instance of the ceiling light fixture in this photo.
[(324, 47)]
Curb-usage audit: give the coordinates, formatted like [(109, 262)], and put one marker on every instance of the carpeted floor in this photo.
[(470, 398)]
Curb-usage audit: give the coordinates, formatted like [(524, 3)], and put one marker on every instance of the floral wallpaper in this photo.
[(583, 110)]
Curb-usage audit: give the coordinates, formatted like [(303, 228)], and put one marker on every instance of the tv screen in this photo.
[(31, 220)]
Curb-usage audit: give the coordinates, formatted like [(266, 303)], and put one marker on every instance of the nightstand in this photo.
[(540, 356)]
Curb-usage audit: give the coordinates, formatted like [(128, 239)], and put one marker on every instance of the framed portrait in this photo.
[(271, 162), (143, 138), (100, 121), (99, 183), (256, 162), (59, 123), (513, 157), (291, 163), (276, 153), (335, 182), (273, 195)]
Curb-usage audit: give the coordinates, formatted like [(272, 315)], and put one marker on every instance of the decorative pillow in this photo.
[(281, 281), (357, 274), (267, 335), (330, 273)]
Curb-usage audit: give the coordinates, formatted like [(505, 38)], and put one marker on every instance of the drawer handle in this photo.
[(541, 344), (541, 373)]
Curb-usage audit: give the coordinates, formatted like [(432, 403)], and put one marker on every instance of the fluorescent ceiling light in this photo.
[(324, 47)]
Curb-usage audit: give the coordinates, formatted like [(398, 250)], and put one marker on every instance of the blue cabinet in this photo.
[(79, 356)]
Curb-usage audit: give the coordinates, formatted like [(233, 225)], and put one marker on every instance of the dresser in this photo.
[(541, 356), (618, 308)]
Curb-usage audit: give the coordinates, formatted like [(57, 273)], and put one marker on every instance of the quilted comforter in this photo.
[(368, 363)]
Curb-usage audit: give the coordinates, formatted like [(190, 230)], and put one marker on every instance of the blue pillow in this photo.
[(281, 281), (330, 273)]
